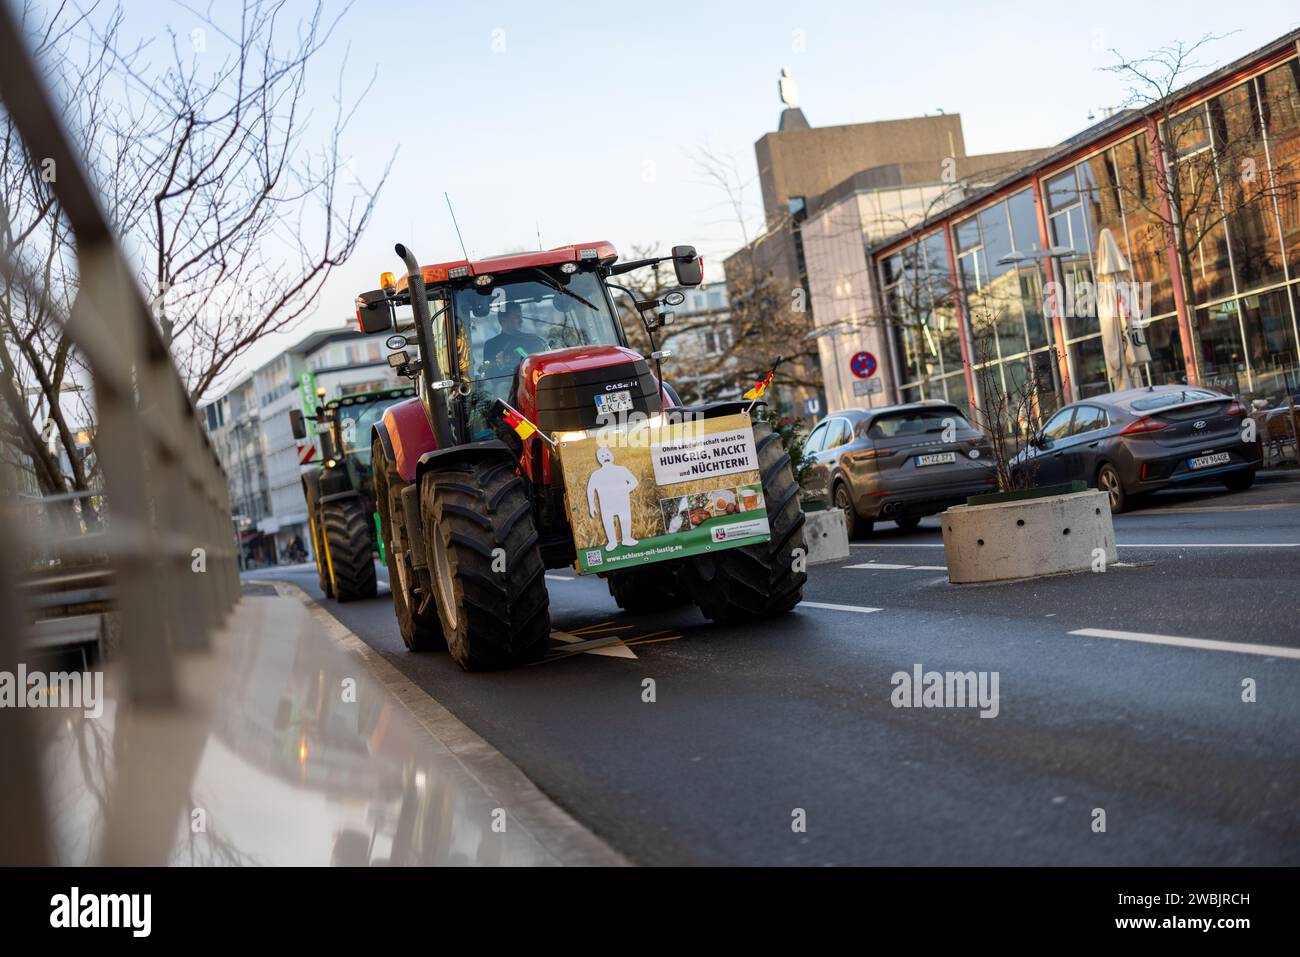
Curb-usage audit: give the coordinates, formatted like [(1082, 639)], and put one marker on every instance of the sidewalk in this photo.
[(292, 746), (1278, 475)]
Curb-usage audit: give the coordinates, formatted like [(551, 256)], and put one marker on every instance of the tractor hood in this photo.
[(559, 390)]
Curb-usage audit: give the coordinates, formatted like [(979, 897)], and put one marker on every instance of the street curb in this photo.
[(563, 837)]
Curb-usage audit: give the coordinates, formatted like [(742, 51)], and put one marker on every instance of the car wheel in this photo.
[(1239, 481), (908, 522), (857, 525), (1108, 481)]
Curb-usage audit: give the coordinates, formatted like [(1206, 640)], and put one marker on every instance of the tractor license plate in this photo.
[(611, 403), (936, 458), (1205, 461)]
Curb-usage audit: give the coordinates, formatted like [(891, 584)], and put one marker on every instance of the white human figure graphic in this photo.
[(613, 485)]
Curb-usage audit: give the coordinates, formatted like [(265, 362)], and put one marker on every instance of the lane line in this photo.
[(1119, 544), (1210, 545), (1205, 644), (821, 604), (877, 565), (558, 578)]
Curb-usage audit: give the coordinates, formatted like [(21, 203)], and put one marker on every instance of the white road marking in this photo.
[(877, 565), (1205, 644), (887, 565), (559, 578), (1211, 545), (895, 545), (930, 568), (821, 604), (1120, 544)]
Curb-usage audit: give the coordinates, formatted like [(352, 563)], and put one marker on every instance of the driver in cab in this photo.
[(504, 350)]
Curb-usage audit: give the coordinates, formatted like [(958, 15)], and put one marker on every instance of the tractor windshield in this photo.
[(530, 311)]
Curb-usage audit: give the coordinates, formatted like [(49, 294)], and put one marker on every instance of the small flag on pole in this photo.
[(523, 428), (759, 387)]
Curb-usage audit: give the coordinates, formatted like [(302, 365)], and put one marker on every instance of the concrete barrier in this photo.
[(1028, 538), (825, 536)]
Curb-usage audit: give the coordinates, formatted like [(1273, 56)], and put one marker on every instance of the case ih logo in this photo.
[(612, 386)]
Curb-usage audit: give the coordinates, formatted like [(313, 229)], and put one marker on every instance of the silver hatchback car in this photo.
[(902, 462)]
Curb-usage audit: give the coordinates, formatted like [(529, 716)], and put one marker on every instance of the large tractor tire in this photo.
[(651, 588), (349, 548), (485, 564), (758, 581), (419, 626)]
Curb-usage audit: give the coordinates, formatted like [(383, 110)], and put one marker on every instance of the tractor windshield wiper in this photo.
[(547, 280)]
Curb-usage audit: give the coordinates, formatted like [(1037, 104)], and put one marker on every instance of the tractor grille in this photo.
[(566, 401)]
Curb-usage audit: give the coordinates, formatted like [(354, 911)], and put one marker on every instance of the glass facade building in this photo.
[(966, 291)]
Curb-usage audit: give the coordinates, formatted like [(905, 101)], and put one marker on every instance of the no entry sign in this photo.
[(863, 365)]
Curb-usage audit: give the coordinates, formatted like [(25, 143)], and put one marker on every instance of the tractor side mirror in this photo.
[(297, 424), (374, 312), (688, 266)]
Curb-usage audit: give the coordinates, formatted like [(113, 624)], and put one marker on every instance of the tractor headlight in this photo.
[(570, 436)]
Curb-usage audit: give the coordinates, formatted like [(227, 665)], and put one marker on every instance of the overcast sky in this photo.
[(580, 120)]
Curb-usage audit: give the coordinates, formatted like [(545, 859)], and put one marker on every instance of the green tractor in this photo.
[(340, 492)]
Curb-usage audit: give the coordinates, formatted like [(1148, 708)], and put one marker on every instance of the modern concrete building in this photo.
[(828, 192)]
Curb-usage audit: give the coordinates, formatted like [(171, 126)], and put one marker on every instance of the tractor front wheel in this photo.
[(420, 629), (765, 580), (349, 549), (485, 564)]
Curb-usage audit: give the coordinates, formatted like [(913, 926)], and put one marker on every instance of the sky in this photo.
[(581, 121)]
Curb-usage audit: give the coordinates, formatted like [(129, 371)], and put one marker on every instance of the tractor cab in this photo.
[(537, 330)]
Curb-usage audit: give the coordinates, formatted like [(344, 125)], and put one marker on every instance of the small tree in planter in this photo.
[(1011, 416), (1016, 533)]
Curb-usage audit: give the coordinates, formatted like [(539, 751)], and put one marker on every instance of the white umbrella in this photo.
[(1123, 355)]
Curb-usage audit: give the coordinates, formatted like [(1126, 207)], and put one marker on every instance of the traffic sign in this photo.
[(868, 387), (863, 365)]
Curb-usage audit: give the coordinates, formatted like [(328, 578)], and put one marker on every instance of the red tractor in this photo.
[(523, 372)]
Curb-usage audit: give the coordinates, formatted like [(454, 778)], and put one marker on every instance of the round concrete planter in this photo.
[(1028, 538)]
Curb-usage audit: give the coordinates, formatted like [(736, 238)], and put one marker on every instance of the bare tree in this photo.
[(44, 412), (768, 315), (1011, 414), (241, 219), (234, 200)]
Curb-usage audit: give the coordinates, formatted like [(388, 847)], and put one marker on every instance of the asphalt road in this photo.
[(753, 724)]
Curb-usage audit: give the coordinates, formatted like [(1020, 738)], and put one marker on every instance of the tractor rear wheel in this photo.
[(349, 548), (420, 630), (758, 581), (485, 564), (651, 588)]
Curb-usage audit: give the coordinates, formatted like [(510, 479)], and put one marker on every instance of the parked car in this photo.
[(1142, 440), (902, 462)]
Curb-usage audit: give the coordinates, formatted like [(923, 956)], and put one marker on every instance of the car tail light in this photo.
[(1143, 425), (1235, 409), (867, 455)]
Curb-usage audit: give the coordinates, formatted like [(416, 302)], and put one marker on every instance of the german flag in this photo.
[(523, 428), (760, 386)]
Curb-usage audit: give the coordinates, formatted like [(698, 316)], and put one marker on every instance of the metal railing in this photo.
[(167, 536)]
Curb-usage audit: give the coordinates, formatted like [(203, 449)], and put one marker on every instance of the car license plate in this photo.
[(1205, 461), (936, 458), (611, 403)]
